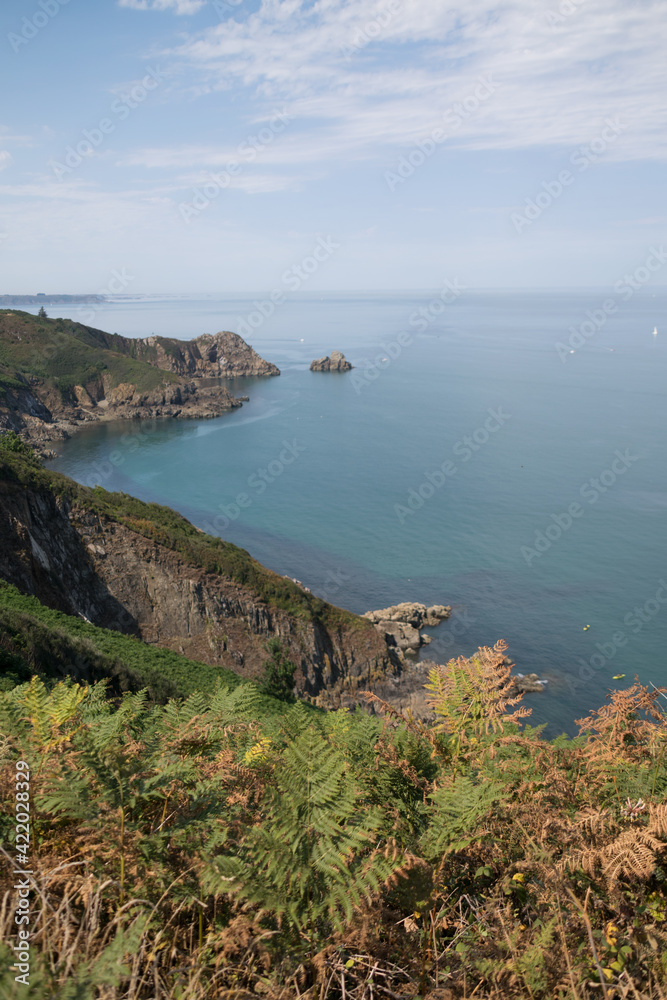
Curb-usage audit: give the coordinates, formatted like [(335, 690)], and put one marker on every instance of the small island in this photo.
[(334, 362)]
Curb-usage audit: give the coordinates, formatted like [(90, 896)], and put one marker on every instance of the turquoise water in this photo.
[(372, 495)]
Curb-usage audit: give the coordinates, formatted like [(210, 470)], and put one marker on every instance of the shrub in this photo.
[(278, 680)]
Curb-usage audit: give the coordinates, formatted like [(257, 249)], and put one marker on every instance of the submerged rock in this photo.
[(528, 683)]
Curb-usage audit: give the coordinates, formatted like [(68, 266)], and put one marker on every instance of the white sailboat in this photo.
[(655, 331)]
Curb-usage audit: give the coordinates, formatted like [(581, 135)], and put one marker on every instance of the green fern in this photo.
[(312, 861), (456, 813)]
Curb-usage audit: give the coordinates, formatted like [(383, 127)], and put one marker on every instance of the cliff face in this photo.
[(220, 355), (59, 548)]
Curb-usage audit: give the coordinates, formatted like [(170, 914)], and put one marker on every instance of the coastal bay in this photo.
[(363, 441)]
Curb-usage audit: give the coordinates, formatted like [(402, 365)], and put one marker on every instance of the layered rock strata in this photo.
[(219, 355), (58, 547)]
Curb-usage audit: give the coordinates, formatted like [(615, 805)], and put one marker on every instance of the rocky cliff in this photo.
[(56, 375), (145, 571), (220, 355)]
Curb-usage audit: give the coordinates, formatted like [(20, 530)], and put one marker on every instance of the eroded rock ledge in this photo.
[(401, 624)]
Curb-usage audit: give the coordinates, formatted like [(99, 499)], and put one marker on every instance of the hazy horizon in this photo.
[(218, 144)]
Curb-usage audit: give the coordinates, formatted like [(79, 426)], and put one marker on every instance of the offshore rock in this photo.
[(528, 683), (334, 362)]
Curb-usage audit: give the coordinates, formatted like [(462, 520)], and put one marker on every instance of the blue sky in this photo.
[(207, 145)]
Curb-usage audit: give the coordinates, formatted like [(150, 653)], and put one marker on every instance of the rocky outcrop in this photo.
[(334, 362), (62, 550), (220, 355), (42, 415), (56, 374), (401, 624)]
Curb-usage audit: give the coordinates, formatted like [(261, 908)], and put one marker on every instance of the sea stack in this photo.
[(334, 362)]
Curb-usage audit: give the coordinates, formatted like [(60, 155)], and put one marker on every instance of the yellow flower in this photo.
[(519, 877), (611, 933)]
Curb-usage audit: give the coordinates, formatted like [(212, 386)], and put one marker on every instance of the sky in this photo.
[(209, 146)]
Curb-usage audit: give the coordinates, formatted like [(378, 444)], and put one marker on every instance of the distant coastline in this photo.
[(43, 299)]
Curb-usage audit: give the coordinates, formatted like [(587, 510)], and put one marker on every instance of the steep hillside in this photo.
[(56, 375), (143, 570), (35, 639)]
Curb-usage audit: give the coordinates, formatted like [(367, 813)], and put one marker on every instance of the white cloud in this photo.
[(178, 6), (5, 159), (369, 74)]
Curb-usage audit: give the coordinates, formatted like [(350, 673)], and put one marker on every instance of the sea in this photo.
[(502, 452)]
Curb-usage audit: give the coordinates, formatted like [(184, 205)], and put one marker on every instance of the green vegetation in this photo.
[(278, 672), (10, 441), (37, 640), (62, 353), (168, 528), (208, 849)]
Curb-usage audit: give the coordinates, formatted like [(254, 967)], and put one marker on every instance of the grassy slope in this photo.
[(36, 639), (62, 353), (168, 528)]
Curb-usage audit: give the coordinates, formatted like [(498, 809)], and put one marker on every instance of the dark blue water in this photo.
[(478, 466)]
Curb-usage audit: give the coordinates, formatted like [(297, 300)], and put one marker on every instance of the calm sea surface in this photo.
[(478, 466)]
